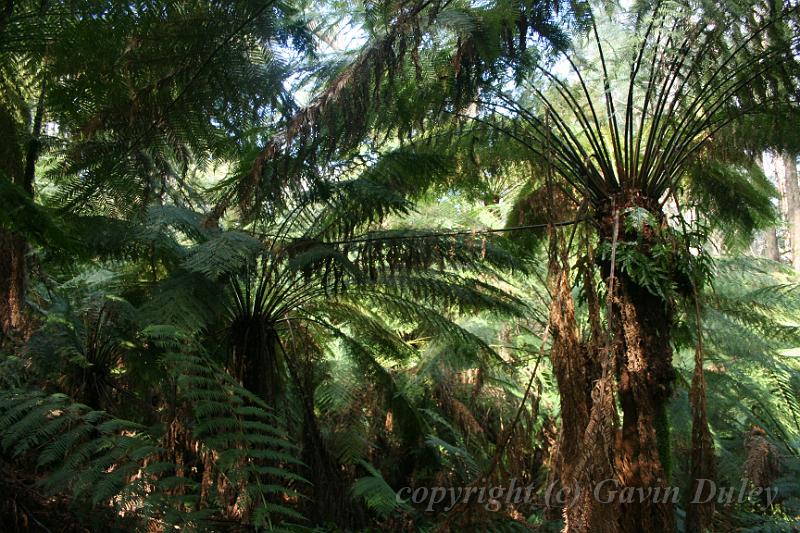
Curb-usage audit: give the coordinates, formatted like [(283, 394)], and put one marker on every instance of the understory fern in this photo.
[(242, 457), (100, 458)]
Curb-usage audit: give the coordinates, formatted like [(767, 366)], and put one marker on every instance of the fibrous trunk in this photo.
[(644, 362), (600, 459), (585, 454), (640, 322), (330, 501), (256, 358)]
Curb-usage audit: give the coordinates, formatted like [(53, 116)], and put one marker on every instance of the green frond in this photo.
[(224, 253), (738, 200), (379, 496)]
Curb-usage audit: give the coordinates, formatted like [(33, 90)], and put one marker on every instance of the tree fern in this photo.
[(109, 461)]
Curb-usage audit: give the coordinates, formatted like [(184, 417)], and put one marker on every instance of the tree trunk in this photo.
[(330, 501), (13, 250), (644, 359), (585, 454), (640, 322), (792, 189), (702, 464), (595, 456), (257, 358), (771, 250), (13, 247)]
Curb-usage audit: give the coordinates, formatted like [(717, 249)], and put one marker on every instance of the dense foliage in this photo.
[(281, 264)]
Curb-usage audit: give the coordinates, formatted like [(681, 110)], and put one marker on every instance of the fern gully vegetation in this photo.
[(336, 266)]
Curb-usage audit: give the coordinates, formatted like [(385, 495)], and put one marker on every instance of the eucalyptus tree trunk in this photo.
[(771, 247), (792, 189)]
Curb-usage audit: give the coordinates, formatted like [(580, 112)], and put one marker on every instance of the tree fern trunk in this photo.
[(644, 360), (702, 464), (257, 359), (640, 322), (584, 457), (14, 248), (331, 501), (637, 363)]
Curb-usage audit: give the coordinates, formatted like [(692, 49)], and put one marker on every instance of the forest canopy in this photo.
[(400, 265)]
